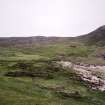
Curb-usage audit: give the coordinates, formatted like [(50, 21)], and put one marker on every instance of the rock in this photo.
[(86, 73)]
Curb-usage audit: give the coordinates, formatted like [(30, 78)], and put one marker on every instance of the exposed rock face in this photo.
[(87, 74)]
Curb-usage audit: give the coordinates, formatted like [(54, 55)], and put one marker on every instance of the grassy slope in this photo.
[(23, 91), (45, 51)]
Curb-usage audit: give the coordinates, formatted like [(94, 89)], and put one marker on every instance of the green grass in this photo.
[(21, 91), (23, 57), (24, 91), (48, 51)]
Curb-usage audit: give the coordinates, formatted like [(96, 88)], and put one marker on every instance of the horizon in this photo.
[(54, 18), (40, 35)]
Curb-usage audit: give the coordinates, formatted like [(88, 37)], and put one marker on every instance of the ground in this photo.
[(44, 91)]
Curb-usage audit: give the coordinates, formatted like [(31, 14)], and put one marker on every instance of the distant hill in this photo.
[(23, 41), (96, 37)]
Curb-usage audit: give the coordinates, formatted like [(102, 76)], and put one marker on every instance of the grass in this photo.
[(25, 91), (48, 51), (21, 91)]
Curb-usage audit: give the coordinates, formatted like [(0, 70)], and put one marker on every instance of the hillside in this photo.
[(96, 37), (52, 70), (27, 41)]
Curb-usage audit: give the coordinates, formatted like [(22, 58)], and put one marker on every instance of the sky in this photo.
[(50, 17)]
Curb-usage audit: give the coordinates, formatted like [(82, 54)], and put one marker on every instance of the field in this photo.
[(53, 90)]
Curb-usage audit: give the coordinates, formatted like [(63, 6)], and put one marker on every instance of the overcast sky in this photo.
[(50, 17)]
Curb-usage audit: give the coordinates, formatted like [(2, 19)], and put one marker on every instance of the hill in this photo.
[(31, 72), (24, 41), (96, 37)]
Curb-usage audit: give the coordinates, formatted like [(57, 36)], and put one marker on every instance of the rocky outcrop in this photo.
[(86, 73)]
